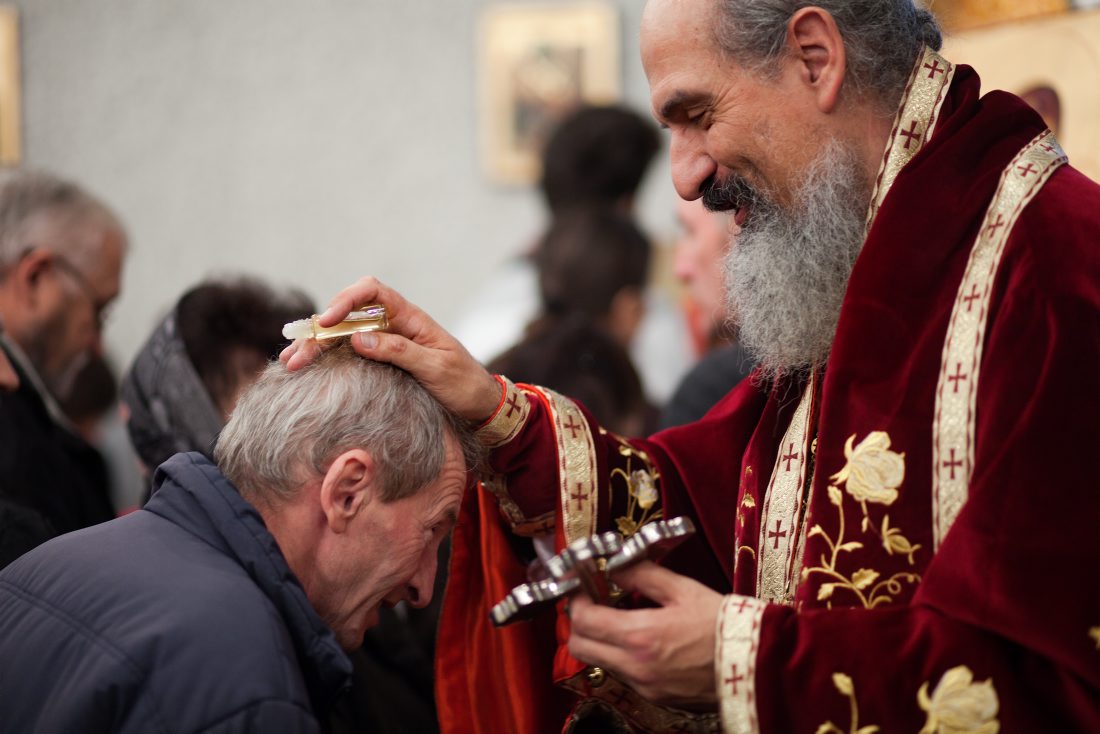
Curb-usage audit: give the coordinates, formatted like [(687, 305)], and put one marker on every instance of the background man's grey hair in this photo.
[(289, 427), (881, 39), (26, 196)]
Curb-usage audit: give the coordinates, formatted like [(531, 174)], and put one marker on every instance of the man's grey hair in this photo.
[(881, 39), (26, 195), (289, 427)]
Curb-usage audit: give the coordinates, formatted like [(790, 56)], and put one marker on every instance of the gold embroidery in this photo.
[(914, 122), (497, 485), (782, 510), (873, 473), (958, 705), (1094, 633), (737, 640), (747, 502), (748, 548), (576, 467), (844, 684), (509, 418), (953, 423), (641, 486)]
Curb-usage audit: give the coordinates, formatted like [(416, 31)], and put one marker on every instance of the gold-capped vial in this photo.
[(368, 318)]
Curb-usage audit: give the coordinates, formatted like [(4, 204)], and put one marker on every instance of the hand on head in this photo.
[(415, 343), (666, 653)]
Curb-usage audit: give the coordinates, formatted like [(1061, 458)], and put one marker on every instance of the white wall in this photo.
[(306, 142)]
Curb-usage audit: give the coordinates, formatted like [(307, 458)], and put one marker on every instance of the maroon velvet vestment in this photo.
[(875, 594)]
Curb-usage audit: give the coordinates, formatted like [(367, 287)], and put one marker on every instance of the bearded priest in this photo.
[(897, 517)]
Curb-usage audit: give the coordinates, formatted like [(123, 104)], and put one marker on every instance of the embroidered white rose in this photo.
[(643, 488), (959, 705), (873, 472)]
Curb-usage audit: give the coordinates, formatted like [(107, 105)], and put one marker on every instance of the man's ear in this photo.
[(26, 274), (349, 485), (818, 48)]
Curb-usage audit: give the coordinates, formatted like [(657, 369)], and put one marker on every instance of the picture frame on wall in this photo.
[(11, 110), (537, 63)]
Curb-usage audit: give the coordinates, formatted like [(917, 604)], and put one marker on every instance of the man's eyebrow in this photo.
[(675, 101)]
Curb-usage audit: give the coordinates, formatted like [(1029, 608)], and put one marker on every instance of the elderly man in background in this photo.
[(61, 253), (897, 523), (704, 243), (225, 603)]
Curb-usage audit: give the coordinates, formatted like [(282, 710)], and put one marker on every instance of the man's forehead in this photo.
[(677, 46), (662, 18)]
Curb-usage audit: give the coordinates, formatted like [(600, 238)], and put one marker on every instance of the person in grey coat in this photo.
[(226, 604)]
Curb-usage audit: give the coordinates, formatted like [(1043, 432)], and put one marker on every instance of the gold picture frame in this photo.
[(537, 62), (11, 110)]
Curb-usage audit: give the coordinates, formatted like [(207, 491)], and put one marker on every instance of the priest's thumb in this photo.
[(651, 581)]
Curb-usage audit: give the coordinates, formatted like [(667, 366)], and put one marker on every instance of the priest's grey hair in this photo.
[(788, 269), (288, 427), (881, 38)]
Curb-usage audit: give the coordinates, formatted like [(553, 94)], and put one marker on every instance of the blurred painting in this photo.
[(10, 103), (537, 63), (961, 15), (1053, 63)]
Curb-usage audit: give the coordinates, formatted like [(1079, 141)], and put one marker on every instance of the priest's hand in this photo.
[(667, 653), (415, 343)]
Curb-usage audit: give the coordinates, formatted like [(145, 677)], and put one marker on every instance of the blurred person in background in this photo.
[(596, 158), (184, 382), (61, 255), (592, 267), (703, 246)]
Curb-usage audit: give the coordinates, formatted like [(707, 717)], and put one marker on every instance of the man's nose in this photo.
[(691, 165), (421, 585), (681, 263)]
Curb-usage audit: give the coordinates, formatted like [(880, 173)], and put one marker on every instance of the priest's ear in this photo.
[(348, 487), (816, 46)]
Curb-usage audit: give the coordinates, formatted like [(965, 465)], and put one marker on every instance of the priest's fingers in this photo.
[(653, 582), (404, 317), (448, 372), (415, 343), (360, 293), (300, 353), (665, 654), (600, 623)]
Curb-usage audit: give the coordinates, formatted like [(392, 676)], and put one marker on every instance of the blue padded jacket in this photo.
[(180, 617)]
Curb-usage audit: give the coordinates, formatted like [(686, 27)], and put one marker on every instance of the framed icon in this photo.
[(11, 111), (538, 62)]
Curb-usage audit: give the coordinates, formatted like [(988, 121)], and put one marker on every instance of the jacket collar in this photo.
[(190, 491)]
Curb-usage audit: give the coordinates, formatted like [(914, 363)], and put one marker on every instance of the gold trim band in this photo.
[(953, 424), (578, 489), (783, 505), (737, 641), (914, 123), (509, 418)]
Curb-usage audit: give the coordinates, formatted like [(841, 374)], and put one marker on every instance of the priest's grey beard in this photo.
[(788, 269)]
